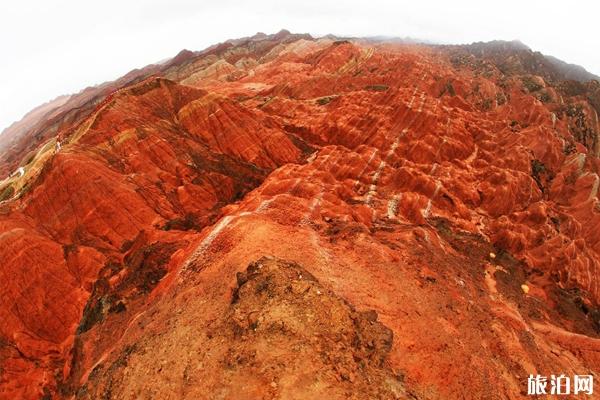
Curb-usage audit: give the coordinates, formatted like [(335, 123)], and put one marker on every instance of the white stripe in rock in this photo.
[(210, 238), (392, 207), (264, 205), (427, 209), (214, 233), (422, 102), (412, 99), (365, 168), (373, 187), (595, 186), (322, 251), (311, 208)]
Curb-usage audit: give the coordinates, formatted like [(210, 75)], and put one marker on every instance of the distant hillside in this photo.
[(515, 58), (572, 71)]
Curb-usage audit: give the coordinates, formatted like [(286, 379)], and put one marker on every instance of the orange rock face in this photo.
[(288, 217)]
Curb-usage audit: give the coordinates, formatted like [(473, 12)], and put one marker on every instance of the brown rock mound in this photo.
[(283, 336)]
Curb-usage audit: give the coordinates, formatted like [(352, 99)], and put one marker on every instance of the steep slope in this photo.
[(421, 208)]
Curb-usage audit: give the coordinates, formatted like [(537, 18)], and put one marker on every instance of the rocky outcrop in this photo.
[(436, 208), (282, 334)]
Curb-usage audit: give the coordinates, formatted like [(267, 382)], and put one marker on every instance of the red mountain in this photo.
[(288, 217)]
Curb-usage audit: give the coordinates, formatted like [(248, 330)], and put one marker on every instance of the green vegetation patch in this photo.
[(530, 84), (7, 193), (377, 88)]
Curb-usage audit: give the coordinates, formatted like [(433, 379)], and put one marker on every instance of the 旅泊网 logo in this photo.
[(560, 385)]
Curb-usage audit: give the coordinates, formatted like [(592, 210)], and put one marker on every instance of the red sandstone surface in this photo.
[(283, 217)]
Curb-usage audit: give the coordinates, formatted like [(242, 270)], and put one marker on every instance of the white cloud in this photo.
[(58, 47)]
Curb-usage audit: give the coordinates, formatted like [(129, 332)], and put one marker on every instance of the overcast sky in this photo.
[(49, 48)]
